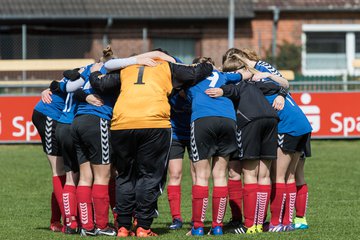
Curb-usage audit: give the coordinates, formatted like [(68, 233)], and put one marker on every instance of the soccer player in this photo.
[(293, 133), (90, 131), (213, 127), (67, 147), (180, 123), (141, 135), (45, 115), (257, 135)]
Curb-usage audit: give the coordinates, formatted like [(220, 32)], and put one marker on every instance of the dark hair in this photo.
[(203, 59)]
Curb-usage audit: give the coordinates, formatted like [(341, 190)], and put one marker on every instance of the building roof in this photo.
[(122, 9), (307, 5)]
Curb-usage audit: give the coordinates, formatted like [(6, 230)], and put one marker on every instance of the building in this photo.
[(327, 30)]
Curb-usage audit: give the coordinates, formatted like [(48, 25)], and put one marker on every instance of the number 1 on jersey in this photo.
[(140, 75)]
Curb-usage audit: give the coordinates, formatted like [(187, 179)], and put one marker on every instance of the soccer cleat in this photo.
[(140, 232), (196, 231), (259, 228), (56, 227), (233, 224), (241, 229), (288, 228), (300, 223), (176, 224), (108, 231), (84, 232), (69, 230), (216, 231), (123, 232), (276, 228)]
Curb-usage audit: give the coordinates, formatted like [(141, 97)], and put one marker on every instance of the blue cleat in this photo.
[(216, 231), (300, 223), (176, 224), (197, 231)]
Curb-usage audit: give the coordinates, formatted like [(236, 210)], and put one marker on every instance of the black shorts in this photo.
[(307, 152), (292, 144), (46, 126), (212, 136), (63, 134), (177, 149), (91, 136), (258, 140)]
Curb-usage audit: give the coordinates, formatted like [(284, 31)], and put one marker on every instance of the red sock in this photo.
[(55, 209), (263, 198), (58, 184), (289, 203), (174, 198), (200, 195), (250, 204), (235, 199), (70, 208), (219, 202), (100, 196), (278, 196), (112, 195), (301, 200), (83, 197)]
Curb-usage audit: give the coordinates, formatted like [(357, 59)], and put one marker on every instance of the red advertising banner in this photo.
[(331, 114), (15, 119)]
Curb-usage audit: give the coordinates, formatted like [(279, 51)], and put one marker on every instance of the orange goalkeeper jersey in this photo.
[(143, 100)]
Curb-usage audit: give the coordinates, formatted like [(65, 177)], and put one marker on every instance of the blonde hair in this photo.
[(244, 52), (235, 62), (203, 59), (107, 54)]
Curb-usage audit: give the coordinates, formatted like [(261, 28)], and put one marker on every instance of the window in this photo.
[(325, 50), (183, 49), (357, 45)]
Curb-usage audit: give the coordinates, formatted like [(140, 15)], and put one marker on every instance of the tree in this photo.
[(288, 57)]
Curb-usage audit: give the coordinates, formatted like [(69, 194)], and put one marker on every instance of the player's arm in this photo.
[(187, 75), (106, 84), (269, 88), (276, 78), (82, 96)]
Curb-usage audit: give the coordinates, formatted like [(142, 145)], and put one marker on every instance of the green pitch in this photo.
[(333, 176)]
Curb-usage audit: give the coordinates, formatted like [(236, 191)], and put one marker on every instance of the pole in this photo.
[(24, 51), (276, 13), (144, 38), (231, 23)]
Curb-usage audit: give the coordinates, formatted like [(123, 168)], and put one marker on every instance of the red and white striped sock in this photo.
[(219, 202), (58, 183), (83, 196), (70, 206), (290, 203), (278, 197), (263, 198), (200, 198), (250, 204)]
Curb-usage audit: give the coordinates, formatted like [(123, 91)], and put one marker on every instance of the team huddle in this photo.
[(116, 130)]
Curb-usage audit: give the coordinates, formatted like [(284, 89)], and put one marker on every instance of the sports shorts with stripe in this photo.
[(46, 126), (91, 136), (212, 136), (177, 149), (63, 134), (258, 140), (292, 144)]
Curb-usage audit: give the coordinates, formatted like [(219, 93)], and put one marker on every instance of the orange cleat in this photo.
[(56, 227), (123, 232), (140, 232)]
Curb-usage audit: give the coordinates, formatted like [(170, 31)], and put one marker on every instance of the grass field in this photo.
[(333, 176)]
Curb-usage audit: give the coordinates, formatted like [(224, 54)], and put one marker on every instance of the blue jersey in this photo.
[(292, 120), (70, 107), (53, 109), (104, 111), (204, 106), (180, 116)]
